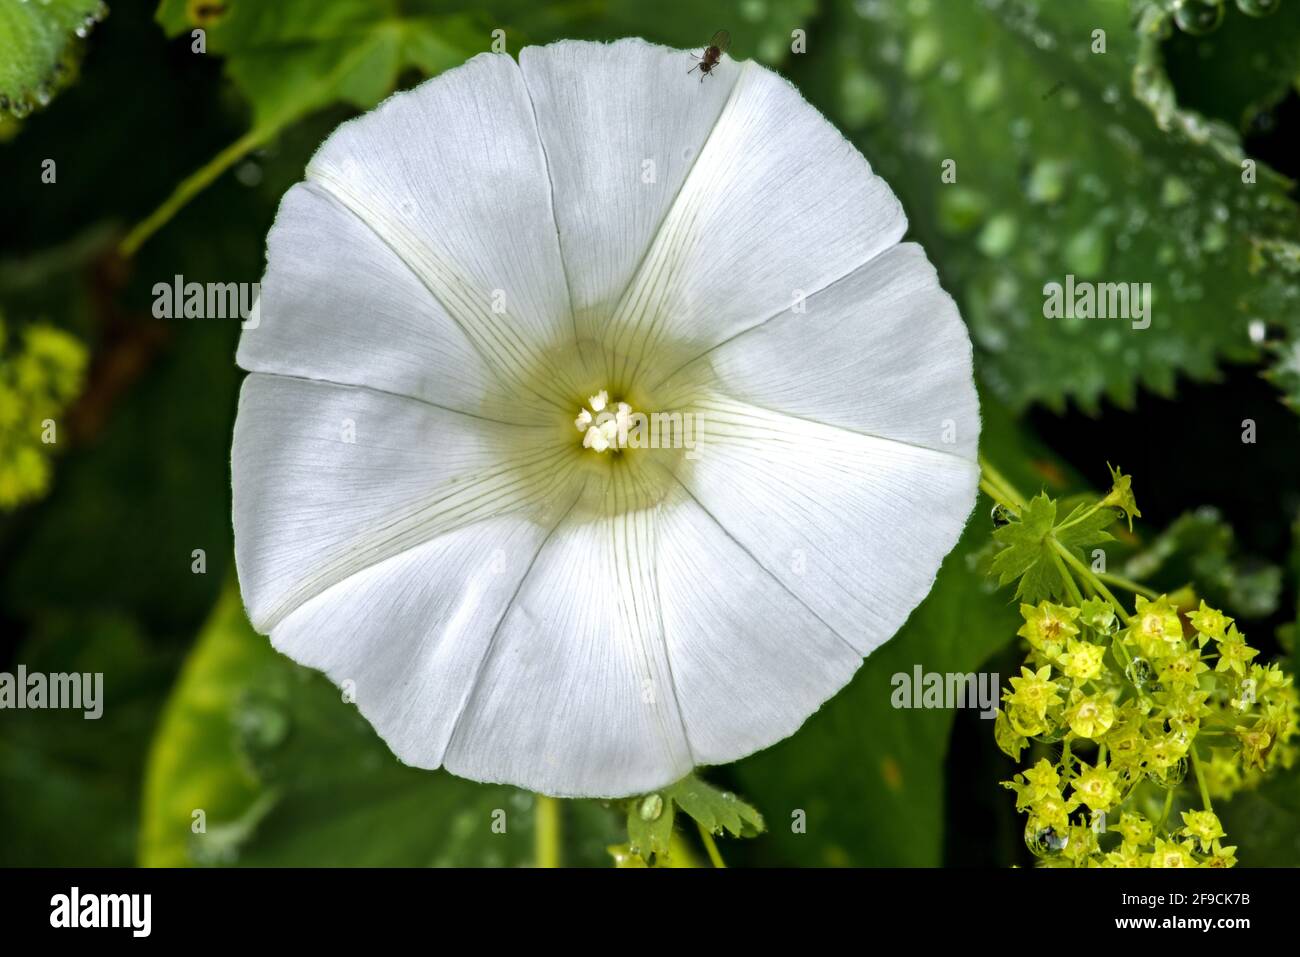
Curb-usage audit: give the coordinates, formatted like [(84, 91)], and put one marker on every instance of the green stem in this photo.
[(993, 484), (999, 489), (1070, 585), (1091, 580), (680, 852), (1200, 780), (1164, 815), (306, 100), (1128, 584), (710, 846), (192, 185), (547, 838), (1080, 517)]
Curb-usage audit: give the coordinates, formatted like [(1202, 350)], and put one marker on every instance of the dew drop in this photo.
[(1259, 8), (1044, 842), (1140, 672), (652, 806), (248, 173), (1199, 17), (1172, 776)]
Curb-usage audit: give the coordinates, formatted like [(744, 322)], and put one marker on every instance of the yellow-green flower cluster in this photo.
[(1170, 687), (41, 371)]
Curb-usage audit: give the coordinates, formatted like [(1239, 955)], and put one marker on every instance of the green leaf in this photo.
[(1026, 551), (38, 40), (650, 820), (1079, 530), (715, 810), (1061, 170), (70, 785), (288, 773), (1239, 71), (294, 56), (650, 826)]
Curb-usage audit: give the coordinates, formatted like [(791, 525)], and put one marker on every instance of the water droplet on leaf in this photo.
[(1258, 8), (652, 806), (1199, 17)]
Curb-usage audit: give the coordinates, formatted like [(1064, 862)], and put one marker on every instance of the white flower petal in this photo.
[(575, 697), (776, 205), (623, 124), (853, 525), (882, 352), (410, 633), (495, 614), (452, 176), (750, 661), (338, 304), (329, 480)]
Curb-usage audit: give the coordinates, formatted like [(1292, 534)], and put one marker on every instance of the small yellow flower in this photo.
[(1043, 776), (1082, 660), (1052, 811), (1256, 743), (1125, 739), (1203, 827), (1183, 669), (1120, 495), (1221, 856), (1090, 716), (1034, 691), (1096, 788), (1134, 829), (1008, 738), (1127, 855), (1047, 627), (1164, 751), (1209, 622), (1156, 627), (1234, 653), (1097, 614), (1171, 854)]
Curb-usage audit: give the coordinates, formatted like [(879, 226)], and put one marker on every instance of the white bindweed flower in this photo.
[(599, 424)]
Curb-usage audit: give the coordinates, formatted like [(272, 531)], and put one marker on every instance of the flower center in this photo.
[(603, 425)]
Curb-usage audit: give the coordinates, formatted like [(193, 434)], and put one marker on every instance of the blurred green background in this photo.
[(1122, 164)]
